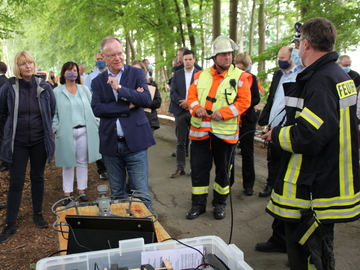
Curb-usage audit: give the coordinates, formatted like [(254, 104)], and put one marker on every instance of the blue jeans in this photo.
[(136, 165)]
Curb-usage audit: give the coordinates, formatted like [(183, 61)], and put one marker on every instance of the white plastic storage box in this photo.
[(129, 254)]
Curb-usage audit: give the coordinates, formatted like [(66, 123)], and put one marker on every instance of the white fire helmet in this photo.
[(222, 44)]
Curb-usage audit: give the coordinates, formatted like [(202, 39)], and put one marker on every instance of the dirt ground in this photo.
[(31, 244)]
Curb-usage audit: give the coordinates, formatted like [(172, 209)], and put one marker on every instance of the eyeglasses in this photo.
[(112, 56), (26, 63)]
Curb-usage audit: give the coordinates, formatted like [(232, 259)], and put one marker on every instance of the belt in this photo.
[(79, 126), (121, 138)]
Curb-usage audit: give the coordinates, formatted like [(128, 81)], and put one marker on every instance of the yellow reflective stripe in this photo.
[(292, 175), (328, 208), (318, 203), (309, 265), (200, 190), (311, 118), (345, 154), (347, 213), (221, 190), (284, 139), (226, 128), (308, 233)]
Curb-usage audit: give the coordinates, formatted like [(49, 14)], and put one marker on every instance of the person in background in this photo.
[(76, 131), (149, 69), (100, 67), (52, 80), (276, 242), (182, 79), (27, 108), (151, 112), (3, 70), (3, 80), (82, 73), (274, 112), (344, 61), (248, 126)]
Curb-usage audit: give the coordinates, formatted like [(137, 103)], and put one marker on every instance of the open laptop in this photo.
[(89, 233)]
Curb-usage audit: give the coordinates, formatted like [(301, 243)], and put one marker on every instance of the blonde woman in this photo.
[(27, 108)]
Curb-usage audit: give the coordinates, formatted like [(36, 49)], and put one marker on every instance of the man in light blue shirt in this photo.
[(100, 67), (273, 113)]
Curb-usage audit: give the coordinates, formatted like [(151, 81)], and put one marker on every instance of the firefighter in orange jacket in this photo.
[(217, 98)]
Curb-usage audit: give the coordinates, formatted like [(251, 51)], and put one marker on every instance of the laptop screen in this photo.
[(89, 233)]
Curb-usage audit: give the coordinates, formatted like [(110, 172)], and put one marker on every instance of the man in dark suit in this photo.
[(178, 106), (344, 62), (125, 133), (3, 80), (273, 113)]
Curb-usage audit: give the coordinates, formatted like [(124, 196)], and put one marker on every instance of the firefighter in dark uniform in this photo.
[(320, 168)]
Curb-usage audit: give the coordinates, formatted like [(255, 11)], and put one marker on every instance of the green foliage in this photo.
[(57, 31)]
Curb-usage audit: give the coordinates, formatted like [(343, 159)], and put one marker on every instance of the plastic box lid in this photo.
[(129, 254)]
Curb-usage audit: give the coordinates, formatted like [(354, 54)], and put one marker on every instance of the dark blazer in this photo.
[(137, 131), (255, 99), (265, 114), (3, 80), (178, 90)]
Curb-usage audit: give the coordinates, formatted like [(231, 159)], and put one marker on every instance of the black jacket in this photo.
[(155, 104), (3, 80), (265, 114), (355, 77), (250, 113)]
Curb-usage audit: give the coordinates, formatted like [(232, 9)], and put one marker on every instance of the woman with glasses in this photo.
[(76, 131), (27, 108)]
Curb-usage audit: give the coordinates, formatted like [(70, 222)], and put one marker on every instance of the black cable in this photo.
[(202, 254), (56, 252), (96, 267), (77, 242), (232, 154)]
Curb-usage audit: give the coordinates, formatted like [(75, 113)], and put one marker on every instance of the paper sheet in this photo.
[(180, 258)]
